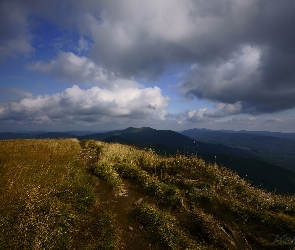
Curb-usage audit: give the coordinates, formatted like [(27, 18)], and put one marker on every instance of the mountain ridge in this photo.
[(259, 172), (274, 150)]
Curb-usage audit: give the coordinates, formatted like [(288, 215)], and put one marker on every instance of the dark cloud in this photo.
[(260, 72), (260, 85), (14, 35), (243, 49)]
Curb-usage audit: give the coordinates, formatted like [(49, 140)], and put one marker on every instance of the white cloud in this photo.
[(91, 105), (69, 67), (83, 45), (72, 68), (207, 115), (229, 109)]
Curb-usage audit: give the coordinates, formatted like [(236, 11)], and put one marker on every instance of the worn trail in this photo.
[(132, 236)]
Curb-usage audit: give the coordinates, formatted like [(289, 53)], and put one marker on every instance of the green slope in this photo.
[(274, 150)]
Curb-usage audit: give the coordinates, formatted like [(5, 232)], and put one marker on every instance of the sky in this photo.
[(96, 65)]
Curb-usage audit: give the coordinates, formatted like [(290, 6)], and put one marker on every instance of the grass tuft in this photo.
[(106, 171), (164, 228)]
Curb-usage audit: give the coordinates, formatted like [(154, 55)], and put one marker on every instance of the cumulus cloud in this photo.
[(71, 68), (240, 79), (225, 81), (208, 115), (229, 109), (95, 104)]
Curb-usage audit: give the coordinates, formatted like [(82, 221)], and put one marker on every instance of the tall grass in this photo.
[(165, 229), (47, 198), (217, 201), (50, 200)]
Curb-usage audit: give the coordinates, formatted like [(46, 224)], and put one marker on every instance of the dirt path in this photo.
[(131, 235)]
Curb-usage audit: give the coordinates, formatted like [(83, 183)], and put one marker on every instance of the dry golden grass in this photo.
[(52, 198), (47, 197), (221, 209)]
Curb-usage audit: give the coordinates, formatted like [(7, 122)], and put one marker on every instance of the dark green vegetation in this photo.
[(270, 147), (164, 141), (264, 133), (261, 174), (66, 194)]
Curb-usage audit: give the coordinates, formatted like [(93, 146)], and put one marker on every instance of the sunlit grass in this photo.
[(106, 171), (50, 199), (213, 196), (46, 195), (165, 229)]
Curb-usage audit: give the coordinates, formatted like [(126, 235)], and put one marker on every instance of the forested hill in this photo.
[(170, 141), (272, 149)]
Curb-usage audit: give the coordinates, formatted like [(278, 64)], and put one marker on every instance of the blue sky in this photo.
[(169, 64)]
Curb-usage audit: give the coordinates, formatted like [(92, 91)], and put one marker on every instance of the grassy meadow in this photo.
[(70, 194), (47, 198)]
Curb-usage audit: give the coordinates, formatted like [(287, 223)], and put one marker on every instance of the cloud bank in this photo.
[(76, 105)]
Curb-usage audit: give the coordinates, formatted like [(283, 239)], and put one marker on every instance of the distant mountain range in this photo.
[(241, 152), (166, 141), (265, 133), (274, 148)]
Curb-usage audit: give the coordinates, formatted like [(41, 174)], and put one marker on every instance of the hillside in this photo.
[(166, 142), (265, 146), (259, 172), (66, 194), (264, 133)]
